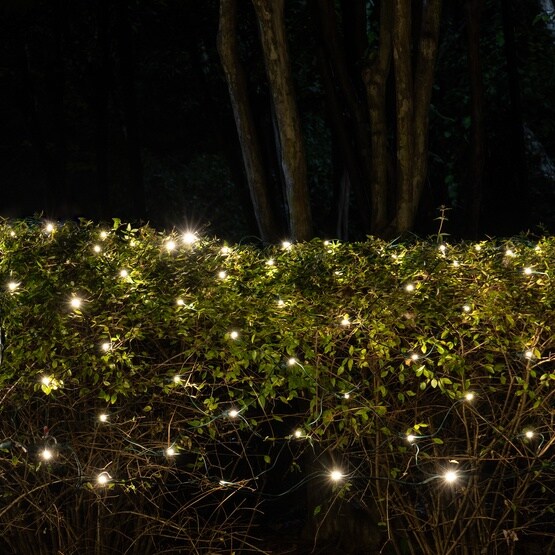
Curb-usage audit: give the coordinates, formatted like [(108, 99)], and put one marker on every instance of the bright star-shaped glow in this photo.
[(234, 334), (233, 413), (170, 452), (46, 454), (450, 476), (103, 478), (336, 475), (189, 238), (75, 302)]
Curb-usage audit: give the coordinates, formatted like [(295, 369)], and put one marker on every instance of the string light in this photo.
[(177, 379), (46, 380), (286, 245), (411, 438), (234, 334), (13, 285), (292, 361), (170, 452), (222, 274), (270, 262), (409, 287), (345, 322), (103, 478), (97, 248), (170, 245), (75, 302), (123, 273), (49, 228), (336, 475), (510, 253), (233, 413), (456, 263), (189, 238), (298, 433), (527, 271), (346, 395), (180, 302), (103, 235), (450, 476), (529, 354), (467, 308), (469, 396), (414, 356), (225, 250), (103, 417), (106, 346), (281, 303), (529, 434), (47, 454), (442, 248)]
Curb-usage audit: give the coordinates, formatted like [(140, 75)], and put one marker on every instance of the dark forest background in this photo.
[(122, 109)]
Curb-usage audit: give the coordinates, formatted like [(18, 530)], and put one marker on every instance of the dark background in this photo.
[(104, 104)]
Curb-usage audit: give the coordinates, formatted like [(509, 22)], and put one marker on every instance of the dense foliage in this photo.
[(408, 385)]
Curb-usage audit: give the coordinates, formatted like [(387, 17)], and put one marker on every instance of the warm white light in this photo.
[(469, 396), (286, 244), (298, 433), (527, 271), (270, 262), (442, 248), (222, 274), (180, 302), (103, 478), (509, 252), (450, 476), (170, 245), (103, 417), (529, 354), (12, 233), (124, 273), (414, 356), (97, 248), (13, 285), (75, 302), (281, 302), (177, 379), (225, 250), (292, 361), (456, 263), (234, 334), (189, 238), (49, 227), (46, 380), (346, 395), (336, 475), (529, 434), (103, 235), (478, 247), (46, 454), (106, 346), (409, 287), (345, 322), (411, 438), (233, 413), (467, 308), (170, 452)]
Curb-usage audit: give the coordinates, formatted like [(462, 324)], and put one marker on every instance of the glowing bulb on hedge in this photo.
[(336, 475), (103, 417), (75, 302), (103, 235), (281, 302), (414, 356), (123, 273), (177, 379), (527, 271), (13, 285), (529, 434), (180, 302), (346, 395), (292, 361), (233, 413), (97, 248), (46, 454), (103, 478), (469, 396), (411, 438), (170, 452), (170, 245), (46, 380), (298, 433), (450, 476), (49, 228), (456, 263), (286, 245), (222, 274), (510, 253), (529, 354), (409, 287), (270, 262), (106, 346), (345, 322), (442, 248), (225, 250), (189, 238), (234, 334)]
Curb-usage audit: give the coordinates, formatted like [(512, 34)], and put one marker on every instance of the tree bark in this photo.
[(270, 15), (477, 155), (404, 103), (244, 121), (375, 78)]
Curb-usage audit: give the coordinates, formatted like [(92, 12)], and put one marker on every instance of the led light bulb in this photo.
[(529, 434), (286, 245), (456, 263), (103, 417), (346, 395), (170, 452), (409, 287), (46, 454), (103, 478), (123, 273), (414, 356), (75, 302), (180, 302), (281, 302), (46, 380), (292, 361), (177, 379), (336, 475), (13, 285), (106, 346), (527, 271), (467, 308), (345, 322), (469, 396), (233, 413), (225, 250), (222, 274), (442, 248), (529, 354), (411, 438), (97, 248), (270, 262), (298, 433), (103, 235), (49, 228), (510, 253), (450, 476), (234, 334), (170, 245), (189, 238)]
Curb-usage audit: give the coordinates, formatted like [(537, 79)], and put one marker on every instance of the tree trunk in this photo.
[(404, 103), (477, 156), (375, 79), (244, 121), (270, 15)]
